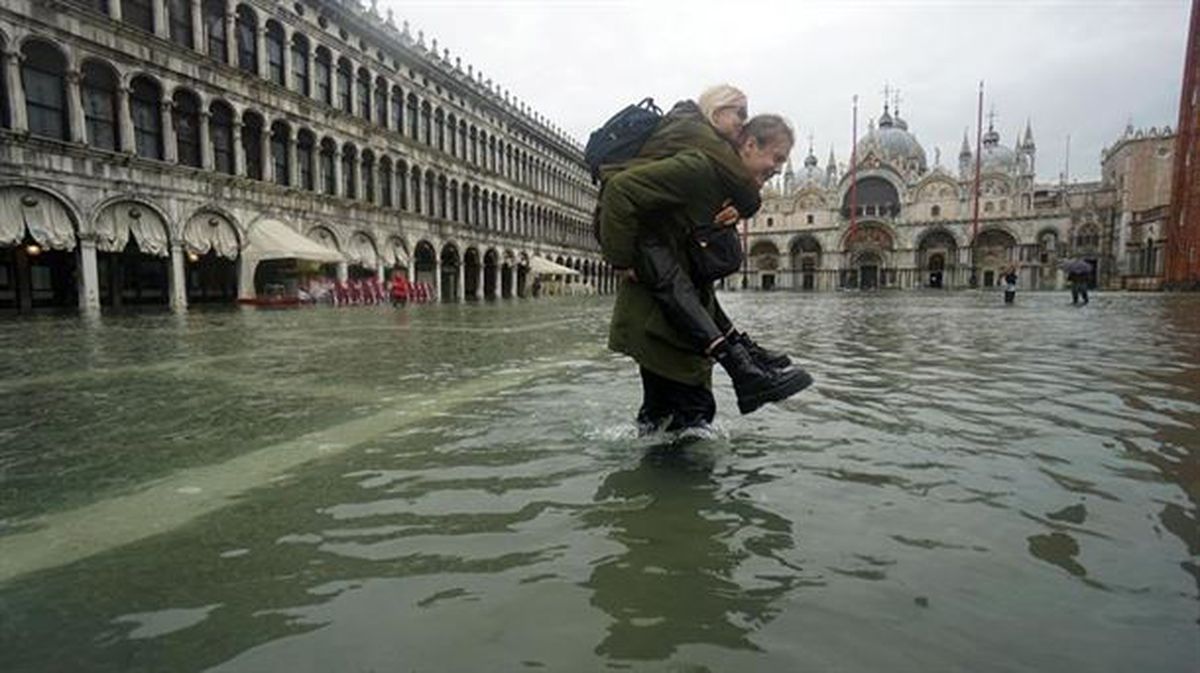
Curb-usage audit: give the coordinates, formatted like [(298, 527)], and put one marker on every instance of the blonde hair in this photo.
[(720, 96)]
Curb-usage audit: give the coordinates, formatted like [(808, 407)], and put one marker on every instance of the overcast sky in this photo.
[(1078, 68)]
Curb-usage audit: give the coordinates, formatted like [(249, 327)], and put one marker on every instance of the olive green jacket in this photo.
[(663, 199), (685, 128)]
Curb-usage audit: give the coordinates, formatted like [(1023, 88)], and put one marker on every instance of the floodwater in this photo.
[(967, 486)]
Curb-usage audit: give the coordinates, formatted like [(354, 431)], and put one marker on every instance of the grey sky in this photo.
[(1078, 68)]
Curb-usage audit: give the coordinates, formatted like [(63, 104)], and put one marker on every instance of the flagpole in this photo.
[(853, 173), (978, 163)]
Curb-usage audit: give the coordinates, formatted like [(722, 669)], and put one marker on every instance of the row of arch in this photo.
[(245, 38), (182, 129), (130, 251), (868, 257)]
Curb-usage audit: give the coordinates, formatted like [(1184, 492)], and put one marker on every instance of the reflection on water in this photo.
[(459, 488)]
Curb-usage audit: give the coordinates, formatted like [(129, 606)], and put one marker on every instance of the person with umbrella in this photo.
[(1079, 272)]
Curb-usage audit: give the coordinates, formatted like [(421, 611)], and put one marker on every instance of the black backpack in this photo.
[(622, 136)]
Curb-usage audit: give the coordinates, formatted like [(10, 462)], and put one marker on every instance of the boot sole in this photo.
[(796, 381)]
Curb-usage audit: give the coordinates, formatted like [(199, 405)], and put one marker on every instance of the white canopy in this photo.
[(42, 215), (544, 267), (272, 239), (119, 221)]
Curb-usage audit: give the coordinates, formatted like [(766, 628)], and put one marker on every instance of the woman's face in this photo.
[(765, 161), (728, 119)]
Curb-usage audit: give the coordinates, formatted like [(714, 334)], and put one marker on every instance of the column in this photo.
[(15, 91), (356, 168), (479, 290), (334, 89), (231, 33), (312, 70), (206, 150), (178, 282), (512, 281), (260, 50), (170, 142), (159, 10), (293, 166), (381, 273), (343, 272), (239, 153), (114, 9), (287, 57), (339, 184), (268, 163), (125, 121), (437, 277), (460, 290), (75, 108), (89, 281), (410, 270), (198, 42)]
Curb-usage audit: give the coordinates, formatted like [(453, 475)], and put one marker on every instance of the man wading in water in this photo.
[(648, 214)]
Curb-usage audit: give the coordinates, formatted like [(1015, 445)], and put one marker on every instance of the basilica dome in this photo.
[(810, 175), (996, 158), (892, 142)]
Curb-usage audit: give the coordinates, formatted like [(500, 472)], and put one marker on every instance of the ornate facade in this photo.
[(915, 222), (148, 147)]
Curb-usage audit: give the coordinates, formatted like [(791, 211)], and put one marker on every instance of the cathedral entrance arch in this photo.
[(868, 249), (993, 251), (471, 269), (935, 254), (805, 260)]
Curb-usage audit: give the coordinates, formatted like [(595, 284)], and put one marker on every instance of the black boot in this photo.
[(763, 356), (755, 385)]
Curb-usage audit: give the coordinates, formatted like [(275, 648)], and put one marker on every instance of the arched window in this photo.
[(43, 75), (324, 87), (452, 132), (484, 201), (474, 146), (349, 163), (304, 156), (413, 121), (300, 64), (345, 82), (145, 105), (415, 184), (430, 194), (381, 102), (385, 182), (328, 179), (462, 140), (935, 211), (368, 176), (483, 149), (214, 28), (279, 153), (364, 94), (221, 131), (99, 89), (397, 103), (185, 115), (275, 49), (475, 207), (252, 140), (138, 13), (453, 197), (441, 201), (179, 17), (247, 49)]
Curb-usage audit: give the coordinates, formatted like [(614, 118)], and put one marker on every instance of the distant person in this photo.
[(536, 287), (1079, 283), (400, 289), (661, 201), (1010, 284)]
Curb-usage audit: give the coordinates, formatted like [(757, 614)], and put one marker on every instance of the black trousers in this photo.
[(1079, 291), (679, 298), (673, 404)]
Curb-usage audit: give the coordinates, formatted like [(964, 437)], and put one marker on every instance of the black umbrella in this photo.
[(1078, 266)]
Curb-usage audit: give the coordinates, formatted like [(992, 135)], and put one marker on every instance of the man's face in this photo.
[(728, 119), (764, 161)]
